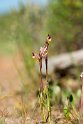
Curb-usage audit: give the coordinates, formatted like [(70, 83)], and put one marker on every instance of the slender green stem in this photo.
[(49, 107), (41, 92), (48, 99), (81, 103), (41, 82), (46, 62), (42, 106)]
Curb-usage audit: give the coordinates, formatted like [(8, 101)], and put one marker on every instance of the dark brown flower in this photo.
[(49, 39), (35, 56)]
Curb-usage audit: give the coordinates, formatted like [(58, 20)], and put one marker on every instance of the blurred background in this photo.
[(24, 26)]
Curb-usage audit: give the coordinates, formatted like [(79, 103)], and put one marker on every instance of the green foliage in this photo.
[(65, 19), (44, 101), (2, 120), (21, 32)]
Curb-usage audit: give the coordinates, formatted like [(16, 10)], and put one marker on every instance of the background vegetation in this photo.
[(25, 30)]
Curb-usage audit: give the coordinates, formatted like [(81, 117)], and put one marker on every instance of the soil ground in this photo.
[(9, 100)]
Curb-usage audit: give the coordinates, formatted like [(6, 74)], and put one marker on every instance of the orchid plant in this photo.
[(44, 94)]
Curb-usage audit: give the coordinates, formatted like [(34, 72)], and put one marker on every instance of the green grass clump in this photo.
[(2, 120)]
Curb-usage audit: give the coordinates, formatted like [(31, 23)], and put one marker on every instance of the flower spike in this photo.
[(43, 51)]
